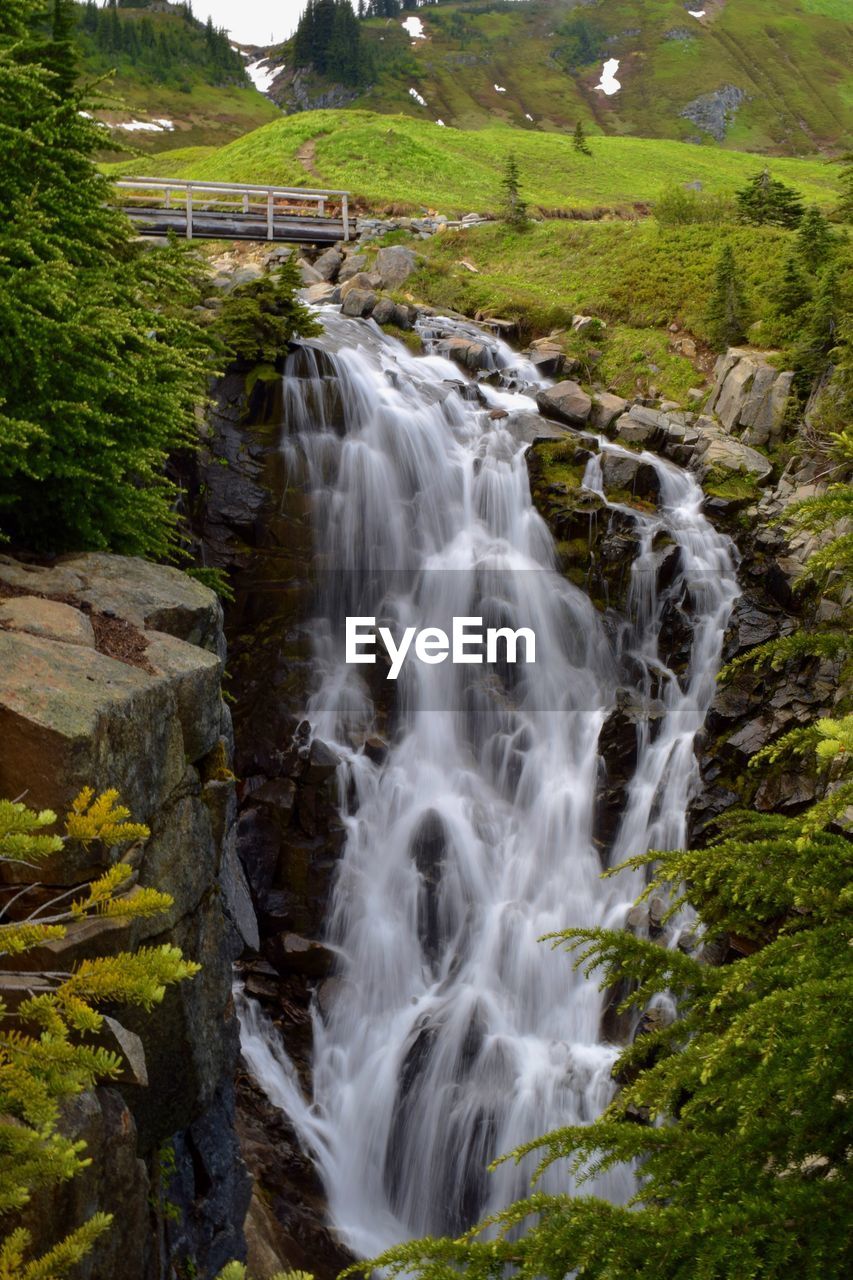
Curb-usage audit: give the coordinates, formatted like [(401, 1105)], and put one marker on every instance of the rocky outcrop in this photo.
[(714, 112), (750, 395), (110, 675), (693, 441), (300, 89)]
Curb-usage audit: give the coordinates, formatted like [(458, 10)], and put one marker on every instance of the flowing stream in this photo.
[(451, 1033)]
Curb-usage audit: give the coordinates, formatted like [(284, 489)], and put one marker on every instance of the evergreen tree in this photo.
[(513, 207), (814, 239), (792, 290), (171, 52), (726, 317), (820, 331), (60, 54), (579, 141), (100, 368), (328, 39), (259, 318), (845, 195), (766, 201)]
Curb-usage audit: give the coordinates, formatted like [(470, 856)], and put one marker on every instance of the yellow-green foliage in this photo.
[(47, 1054), (236, 1271)]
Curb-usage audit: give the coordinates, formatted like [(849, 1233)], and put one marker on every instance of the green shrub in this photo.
[(682, 206)]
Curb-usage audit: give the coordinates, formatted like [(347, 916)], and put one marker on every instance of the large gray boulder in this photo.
[(606, 408), (354, 264), (750, 395), (527, 427), (385, 311), (329, 264), (310, 275), (466, 352), (358, 302), (361, 280), (395, 264), (629, 473), (717, 450), (567, 402)]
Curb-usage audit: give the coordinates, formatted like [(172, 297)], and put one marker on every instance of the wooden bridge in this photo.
[(235, 211)]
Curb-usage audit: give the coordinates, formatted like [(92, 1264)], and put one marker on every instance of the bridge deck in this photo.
[(210, 224), (235, 211)]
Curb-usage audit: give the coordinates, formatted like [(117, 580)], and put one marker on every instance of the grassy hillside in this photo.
[(639, 277), (169, 67), (791, 59), (637, 273), (398, 160)]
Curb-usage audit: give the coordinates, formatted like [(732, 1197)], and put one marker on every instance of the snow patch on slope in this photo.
[(162, 125), (262, 74), (609, 84)]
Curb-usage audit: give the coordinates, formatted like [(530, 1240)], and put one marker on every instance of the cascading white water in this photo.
[(452, 1033)]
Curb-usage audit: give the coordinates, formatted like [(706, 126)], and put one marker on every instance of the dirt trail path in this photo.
[(306, 155)]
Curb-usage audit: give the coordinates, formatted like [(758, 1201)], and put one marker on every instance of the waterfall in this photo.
[(451, 1033)]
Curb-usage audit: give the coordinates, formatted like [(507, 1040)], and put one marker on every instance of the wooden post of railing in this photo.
[(246, 202), (270, 215), (189, 213), (168, 197), (345, 212)]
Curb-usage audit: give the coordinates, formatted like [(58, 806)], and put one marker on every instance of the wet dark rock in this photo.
[(322, 763), (358, 302), (429, 850), (466, 352), (638, 477), (258, 840), (384, 311), (210, 1190), (376, 749), (291, 953), (296, 1224), (567, 402), (618, 746)]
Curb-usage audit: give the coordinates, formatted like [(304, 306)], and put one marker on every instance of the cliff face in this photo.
[(110, 675)]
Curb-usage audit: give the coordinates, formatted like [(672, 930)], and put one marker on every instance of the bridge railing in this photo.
[(191, 197)]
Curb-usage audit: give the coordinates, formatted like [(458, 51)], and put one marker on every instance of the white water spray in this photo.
[(453, 1034)]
